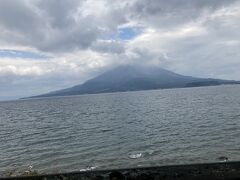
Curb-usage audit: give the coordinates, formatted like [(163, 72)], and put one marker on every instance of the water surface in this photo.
[(145, 128)]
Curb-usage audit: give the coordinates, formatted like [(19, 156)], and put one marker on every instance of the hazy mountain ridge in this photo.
[(134, 78)]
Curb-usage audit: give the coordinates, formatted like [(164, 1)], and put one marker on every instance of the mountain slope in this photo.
[(134, 78)]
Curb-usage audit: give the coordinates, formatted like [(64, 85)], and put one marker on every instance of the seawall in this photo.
[(211, 171)]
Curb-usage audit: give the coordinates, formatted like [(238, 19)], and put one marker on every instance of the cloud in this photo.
[(207, 47), (25, 78), (60, 26), (86, 37), (170, 14), (109, 46), (55, 25)]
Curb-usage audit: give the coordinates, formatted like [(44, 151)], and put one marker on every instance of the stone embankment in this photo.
[(211, 171)]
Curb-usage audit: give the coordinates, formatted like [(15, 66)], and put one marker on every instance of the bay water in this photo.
[(120, 130)]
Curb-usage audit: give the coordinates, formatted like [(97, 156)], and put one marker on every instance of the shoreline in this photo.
[(223, 170)]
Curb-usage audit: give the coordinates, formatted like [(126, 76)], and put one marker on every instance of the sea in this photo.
[(121, 130)]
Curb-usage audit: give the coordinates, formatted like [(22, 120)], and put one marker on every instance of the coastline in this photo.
[(213, 171)]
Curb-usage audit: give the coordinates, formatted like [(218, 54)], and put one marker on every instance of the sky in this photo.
[(54, 44)]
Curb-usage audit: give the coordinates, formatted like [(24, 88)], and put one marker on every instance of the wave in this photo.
[(135, 156), (89, 168)]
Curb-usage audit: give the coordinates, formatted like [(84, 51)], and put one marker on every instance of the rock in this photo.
[(222, 158)]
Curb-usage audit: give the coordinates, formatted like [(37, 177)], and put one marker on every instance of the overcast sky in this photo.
[(53, 44)]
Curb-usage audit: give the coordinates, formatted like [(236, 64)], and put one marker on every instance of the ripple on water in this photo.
[(114, 130)]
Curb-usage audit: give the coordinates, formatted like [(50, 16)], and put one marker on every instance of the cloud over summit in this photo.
[(199, 38)]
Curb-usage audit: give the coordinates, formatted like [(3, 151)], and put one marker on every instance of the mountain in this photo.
[(134, 78)]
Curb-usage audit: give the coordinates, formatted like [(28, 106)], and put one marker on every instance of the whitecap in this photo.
[(89, 168), (135, 156)]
